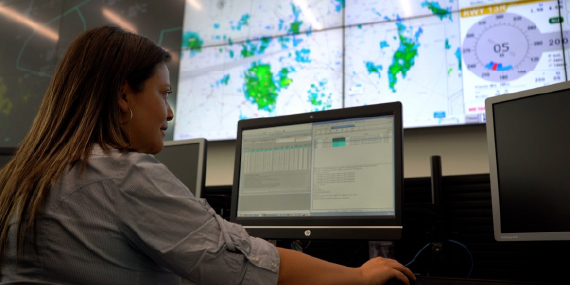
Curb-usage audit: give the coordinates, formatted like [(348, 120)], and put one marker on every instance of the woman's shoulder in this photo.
[(132, 167), (123, 159), (115, 165)]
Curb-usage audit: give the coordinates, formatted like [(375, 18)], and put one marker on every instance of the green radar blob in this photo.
[(260, 88)]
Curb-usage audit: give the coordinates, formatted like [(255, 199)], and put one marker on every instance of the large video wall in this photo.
[(257, 58)]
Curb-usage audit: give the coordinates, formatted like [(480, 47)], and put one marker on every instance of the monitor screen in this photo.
[(528, 139), (186, 159), (441, 59), (333, 174)]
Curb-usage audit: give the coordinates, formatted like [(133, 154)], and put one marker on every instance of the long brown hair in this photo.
[(80, 108)]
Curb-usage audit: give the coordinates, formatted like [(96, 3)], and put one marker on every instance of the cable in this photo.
[(296, 245), (452, 241), (468, 251), (417, 254)]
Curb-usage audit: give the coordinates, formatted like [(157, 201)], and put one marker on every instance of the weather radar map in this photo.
[(406, 53), (440, 58), (251, 59)]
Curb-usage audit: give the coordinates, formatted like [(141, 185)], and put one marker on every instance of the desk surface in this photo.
[(424, 280)]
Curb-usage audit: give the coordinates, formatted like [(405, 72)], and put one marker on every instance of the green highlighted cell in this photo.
[(338, 142)]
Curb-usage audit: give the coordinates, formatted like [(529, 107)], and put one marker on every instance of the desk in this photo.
[(424, 280)]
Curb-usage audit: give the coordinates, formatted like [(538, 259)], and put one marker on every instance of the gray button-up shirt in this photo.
[(127, 220)]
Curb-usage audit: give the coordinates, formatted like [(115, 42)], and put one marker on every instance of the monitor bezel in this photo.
[(493, 167), (202, 156), (355, 227)]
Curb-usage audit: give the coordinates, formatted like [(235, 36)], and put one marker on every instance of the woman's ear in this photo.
[(124, 97)]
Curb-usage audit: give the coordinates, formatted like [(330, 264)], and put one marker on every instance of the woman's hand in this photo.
[(379, 270), (297, 268)]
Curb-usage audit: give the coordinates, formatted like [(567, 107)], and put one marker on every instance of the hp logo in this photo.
[(307, 232)]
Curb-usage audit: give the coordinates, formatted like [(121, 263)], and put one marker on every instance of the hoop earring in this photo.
[(122, 124)]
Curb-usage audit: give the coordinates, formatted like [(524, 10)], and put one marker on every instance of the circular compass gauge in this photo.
[(502, 47)]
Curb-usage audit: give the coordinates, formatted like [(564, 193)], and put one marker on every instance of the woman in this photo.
[(83, 202)]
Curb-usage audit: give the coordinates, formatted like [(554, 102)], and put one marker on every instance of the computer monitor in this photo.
[(529, 153), (334, 174), (186, 159)]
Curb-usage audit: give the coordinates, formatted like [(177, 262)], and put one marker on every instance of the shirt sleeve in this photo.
[(159, 216)]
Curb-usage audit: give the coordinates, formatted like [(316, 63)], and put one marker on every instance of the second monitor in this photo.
[(528, 139), (326, 175), (186, 159)]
